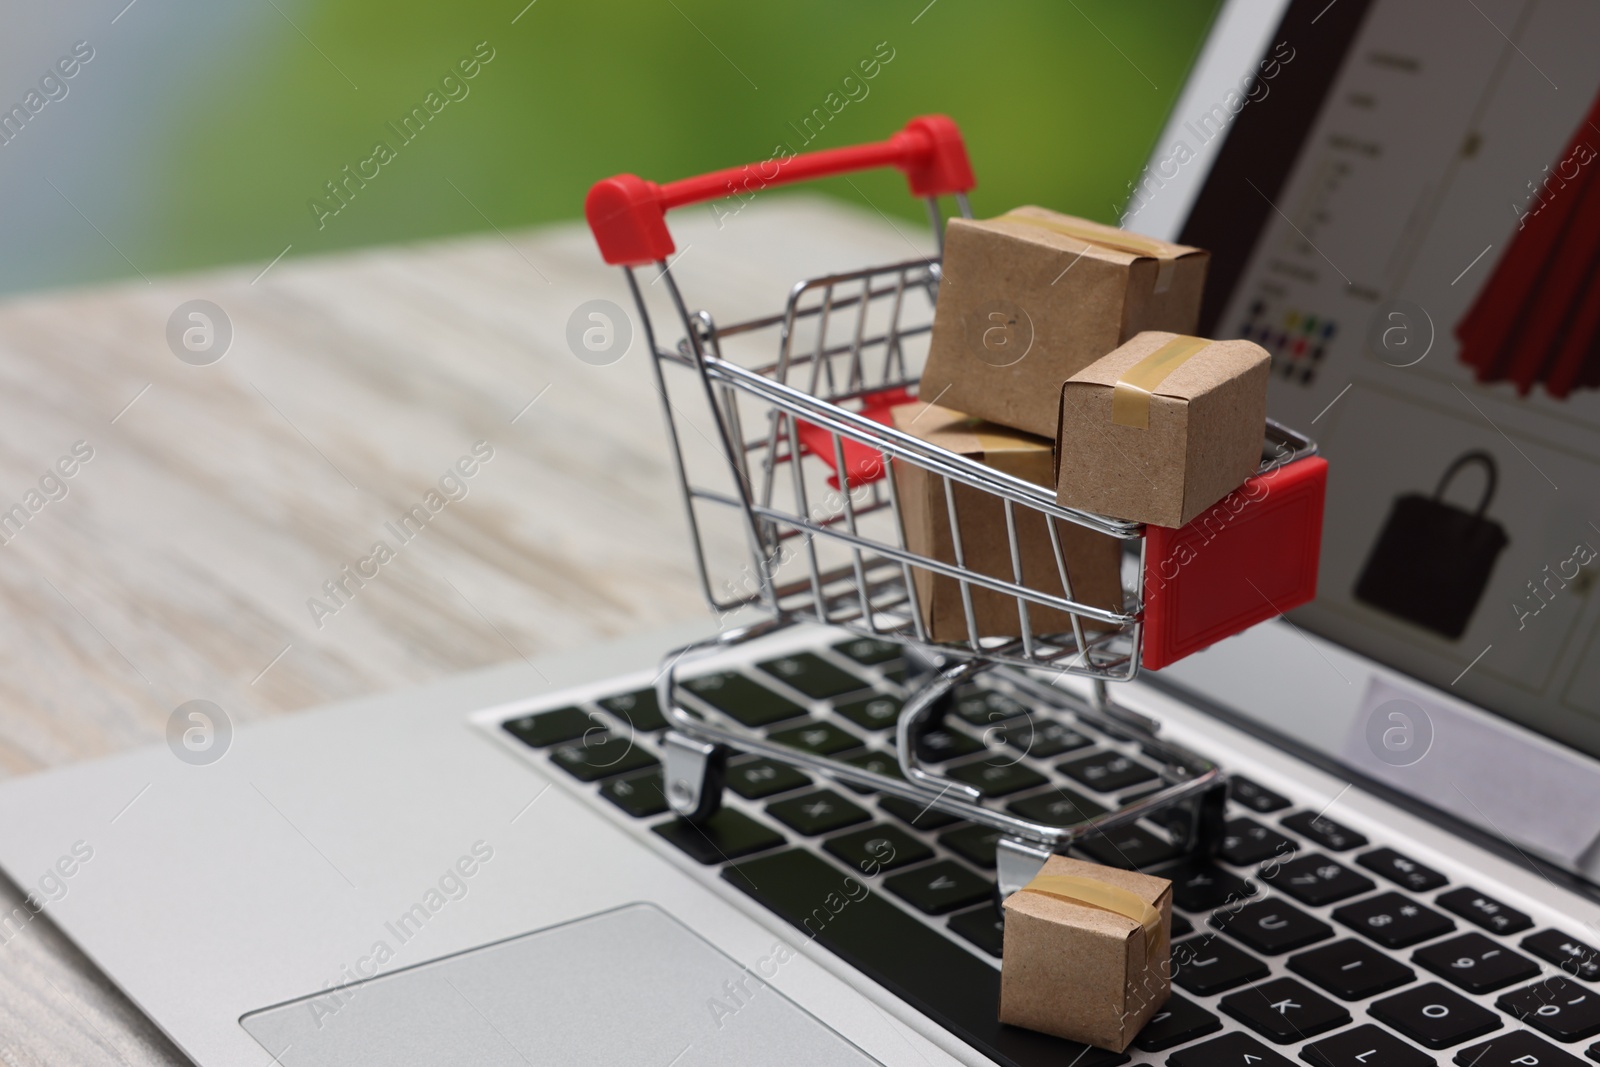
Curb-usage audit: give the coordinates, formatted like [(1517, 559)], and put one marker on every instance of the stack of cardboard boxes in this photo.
[(1062, 353)]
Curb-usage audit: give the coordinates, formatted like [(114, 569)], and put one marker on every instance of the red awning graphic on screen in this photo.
[(1537, 319)]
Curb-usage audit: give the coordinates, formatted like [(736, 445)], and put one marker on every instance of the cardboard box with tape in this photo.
[(1032, 297), (1093, 559), (1162, 428), (1087, 953)]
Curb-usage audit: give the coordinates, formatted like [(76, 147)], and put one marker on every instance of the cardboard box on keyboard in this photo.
[(1087, 952)]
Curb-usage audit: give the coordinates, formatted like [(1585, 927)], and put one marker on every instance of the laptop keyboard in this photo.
[(1302, 941)]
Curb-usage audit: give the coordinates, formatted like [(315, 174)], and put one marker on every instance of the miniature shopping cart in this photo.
[(782, 450)]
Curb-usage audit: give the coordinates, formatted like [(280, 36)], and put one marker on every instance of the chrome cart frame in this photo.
[(796, 402)]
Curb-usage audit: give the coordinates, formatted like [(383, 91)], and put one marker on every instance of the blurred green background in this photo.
[(1060, 103)]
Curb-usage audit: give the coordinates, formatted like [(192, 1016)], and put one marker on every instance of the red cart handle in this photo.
[(628, 213)]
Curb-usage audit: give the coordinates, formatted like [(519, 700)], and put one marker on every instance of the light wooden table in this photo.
[(220, 498)]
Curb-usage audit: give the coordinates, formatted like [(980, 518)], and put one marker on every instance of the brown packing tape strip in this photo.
[(988, 442), (1130, 398), (1032, 465), (1096, 894), (1131, 243), (994, 442)]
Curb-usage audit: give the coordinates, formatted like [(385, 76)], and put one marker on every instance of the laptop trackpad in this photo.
[(630, 986)]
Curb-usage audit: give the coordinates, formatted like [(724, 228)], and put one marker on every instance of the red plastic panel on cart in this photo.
[(863, 463), (1250, 557)]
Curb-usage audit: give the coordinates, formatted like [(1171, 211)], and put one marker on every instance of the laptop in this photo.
[(1406, 871)]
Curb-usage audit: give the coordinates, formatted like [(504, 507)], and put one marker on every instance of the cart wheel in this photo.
[(693, 776), (1016, 862)]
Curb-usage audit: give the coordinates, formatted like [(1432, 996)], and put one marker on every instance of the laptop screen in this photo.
[(1410, 223)]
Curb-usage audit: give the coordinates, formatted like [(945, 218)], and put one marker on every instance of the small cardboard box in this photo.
[(1087, 953), (1162, 428), (1094, 560), (1032, 297)]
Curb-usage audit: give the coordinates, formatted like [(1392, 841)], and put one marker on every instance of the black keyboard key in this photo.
[(1255, 796), (1351, 969), (1315, 880), (817, 738), (1393, 920), (552, 727), (1181, 927), (921, 965), (1059, 808), (869, 651), (1284, 1010), (639, 710), (1179, 1020), (821, 812), (872, 713), (754, 779), (984, 927), (996, 777), (1365, 1046), (1230, 1050), (1040, 738), (639, 795), (1568, 953), (812, 675), (975, 844), (1435, 1017), (1476, 963), (1107, 771), (725, 836), (1131, 847), (1324, 831), (1516, 1049), (1271, 926), (985, 707), (1485, 911), (1556, 1007), (1200, 886), (939, 887), (940, 744), (601, 755), (875, 761), (742, 699), (1246, 842), (1207, 964), (1140, 794), (917, 814), (1402, 870), (878, 848)]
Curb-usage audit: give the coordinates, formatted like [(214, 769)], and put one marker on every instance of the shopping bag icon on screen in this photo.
[(1433, 559)]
